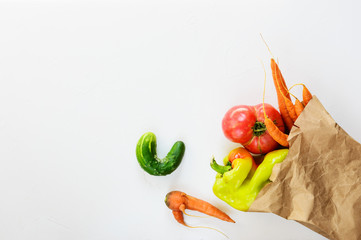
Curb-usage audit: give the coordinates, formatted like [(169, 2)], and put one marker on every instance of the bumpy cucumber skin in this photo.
[(146, 152)]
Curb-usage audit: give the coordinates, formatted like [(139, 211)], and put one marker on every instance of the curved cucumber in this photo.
[(147, 156)]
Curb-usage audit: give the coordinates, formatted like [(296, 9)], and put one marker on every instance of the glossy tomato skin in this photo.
[(262, 144), (239, 122)]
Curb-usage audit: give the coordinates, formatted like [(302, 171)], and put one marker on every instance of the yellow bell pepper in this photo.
[(240, 186)]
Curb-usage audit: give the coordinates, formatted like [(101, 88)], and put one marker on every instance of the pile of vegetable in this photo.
[(260, 129), (262, 132)]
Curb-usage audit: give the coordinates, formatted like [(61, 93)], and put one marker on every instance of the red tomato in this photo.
[(245, 125)]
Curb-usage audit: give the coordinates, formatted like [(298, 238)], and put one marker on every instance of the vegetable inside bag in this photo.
[(319, 182)]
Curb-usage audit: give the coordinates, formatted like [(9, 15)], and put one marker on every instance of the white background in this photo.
[(81, 81)]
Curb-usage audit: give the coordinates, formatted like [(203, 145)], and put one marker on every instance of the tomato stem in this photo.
[(259, 128)]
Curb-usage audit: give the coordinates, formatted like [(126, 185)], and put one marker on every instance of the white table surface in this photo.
[(81, 81)]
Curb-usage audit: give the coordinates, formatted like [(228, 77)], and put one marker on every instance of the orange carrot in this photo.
[(277, 80), (291, 109), (298, 107), (282, 83), (275, 132), (271, 127), (178, 202), (285, 95), (307, 96), (178, 215), (285, 104)]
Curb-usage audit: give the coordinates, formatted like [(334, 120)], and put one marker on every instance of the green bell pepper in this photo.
[(239, 187)]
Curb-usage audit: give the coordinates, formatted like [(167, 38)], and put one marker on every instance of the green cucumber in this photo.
[(146, 152)]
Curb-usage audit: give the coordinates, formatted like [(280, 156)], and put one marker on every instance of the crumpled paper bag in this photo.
[(319, 182)]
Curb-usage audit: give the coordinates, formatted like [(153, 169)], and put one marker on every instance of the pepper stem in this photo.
[(218, 168)]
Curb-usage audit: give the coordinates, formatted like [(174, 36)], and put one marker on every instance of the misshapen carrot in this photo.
[(178, 202), (278, 81)]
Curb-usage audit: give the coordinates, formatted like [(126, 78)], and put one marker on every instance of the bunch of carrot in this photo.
[(288, 110)]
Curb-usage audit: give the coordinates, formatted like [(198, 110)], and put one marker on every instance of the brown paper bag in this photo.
[(319, 183)]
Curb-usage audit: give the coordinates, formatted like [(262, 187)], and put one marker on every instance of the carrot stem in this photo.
[(264, 41), (191, 215), (264, 87), (306, 94), (297, 84)]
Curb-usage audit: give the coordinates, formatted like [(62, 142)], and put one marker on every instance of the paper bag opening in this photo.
[(319, 183)]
